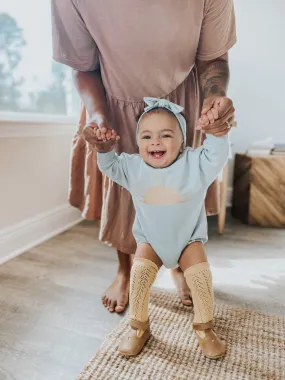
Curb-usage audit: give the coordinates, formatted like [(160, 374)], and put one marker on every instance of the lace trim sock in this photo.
[(199, 280), (143, 275)]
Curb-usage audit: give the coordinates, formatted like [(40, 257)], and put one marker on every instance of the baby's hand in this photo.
[(209, 118), (102, 139)]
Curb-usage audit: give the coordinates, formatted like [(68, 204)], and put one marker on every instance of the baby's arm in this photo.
[(213, 157), (215, 151), (103, 140)]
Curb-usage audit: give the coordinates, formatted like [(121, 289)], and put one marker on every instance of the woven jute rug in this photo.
[(255, 341)]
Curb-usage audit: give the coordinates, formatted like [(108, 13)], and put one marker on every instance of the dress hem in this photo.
[(118, 247)]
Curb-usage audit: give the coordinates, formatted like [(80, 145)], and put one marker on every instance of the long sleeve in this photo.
[(114, 167), (213, 157)]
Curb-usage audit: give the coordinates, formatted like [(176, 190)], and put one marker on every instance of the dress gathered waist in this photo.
[(126, 97)]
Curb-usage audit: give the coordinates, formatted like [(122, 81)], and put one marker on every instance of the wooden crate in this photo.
[(259, 190)]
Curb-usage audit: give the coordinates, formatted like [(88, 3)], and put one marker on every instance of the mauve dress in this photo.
[(143, 48)]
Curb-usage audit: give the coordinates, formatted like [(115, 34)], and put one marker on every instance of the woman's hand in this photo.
[(217, 116), (100, 136)]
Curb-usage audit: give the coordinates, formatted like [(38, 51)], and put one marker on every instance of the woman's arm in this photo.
[(214, 76), (217, 36), (92, 93), (217, 109)]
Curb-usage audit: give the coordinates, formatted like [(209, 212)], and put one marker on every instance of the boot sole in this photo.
[(216, 357)]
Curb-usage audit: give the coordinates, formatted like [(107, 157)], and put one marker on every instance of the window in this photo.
[(30, 81)]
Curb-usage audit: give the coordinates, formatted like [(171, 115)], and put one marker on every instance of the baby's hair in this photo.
[(158, 110)]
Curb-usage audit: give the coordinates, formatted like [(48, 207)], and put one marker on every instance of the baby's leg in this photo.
[(198, 276), (143, 274)]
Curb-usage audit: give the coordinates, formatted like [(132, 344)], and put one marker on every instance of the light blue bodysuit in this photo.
[(169, 202)]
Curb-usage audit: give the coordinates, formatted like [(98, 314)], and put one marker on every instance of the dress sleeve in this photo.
[(115, 167), (218, 31), (72, 43), (213, 156)]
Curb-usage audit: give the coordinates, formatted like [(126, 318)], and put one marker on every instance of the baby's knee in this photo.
[(141, 266), (144, 273), (145, 251)]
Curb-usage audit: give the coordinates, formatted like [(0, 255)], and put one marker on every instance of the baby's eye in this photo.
[(166, 136), (146, 137)]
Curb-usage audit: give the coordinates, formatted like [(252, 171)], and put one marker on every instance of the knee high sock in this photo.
[(199, 280), (143, 275)]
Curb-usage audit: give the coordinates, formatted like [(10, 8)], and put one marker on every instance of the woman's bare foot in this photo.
[(116, 296), (181, 286)]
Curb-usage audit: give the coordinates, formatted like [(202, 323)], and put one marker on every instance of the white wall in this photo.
[(257, 65), (258, 74), (34, 168)]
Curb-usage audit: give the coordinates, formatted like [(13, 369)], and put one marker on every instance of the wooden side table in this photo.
[(259, 190)]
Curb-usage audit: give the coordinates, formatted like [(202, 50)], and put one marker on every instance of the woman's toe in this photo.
[(186, 299), (105, 302), (112, 306), (120, 308)]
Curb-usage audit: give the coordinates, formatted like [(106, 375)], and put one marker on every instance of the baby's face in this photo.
[(160, 139)]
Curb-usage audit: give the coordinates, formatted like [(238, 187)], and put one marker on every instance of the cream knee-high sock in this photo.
[(199, 280), (143, 275)]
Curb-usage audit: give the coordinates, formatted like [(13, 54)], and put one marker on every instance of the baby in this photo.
[(168, 183)]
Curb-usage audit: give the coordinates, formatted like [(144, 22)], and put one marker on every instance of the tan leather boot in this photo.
[(133, 342), (211, 345)]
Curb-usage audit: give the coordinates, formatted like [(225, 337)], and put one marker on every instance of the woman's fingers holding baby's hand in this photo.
[(95, 134), (105, 146), (104, 134), (108, 134), (213, 115), (100, 136), (114, 135), (202, 122), (209, 118)]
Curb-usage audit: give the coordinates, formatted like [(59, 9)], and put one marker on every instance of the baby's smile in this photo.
[(157, 154)]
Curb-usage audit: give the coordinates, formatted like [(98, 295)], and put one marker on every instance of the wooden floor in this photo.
[(51, 317)]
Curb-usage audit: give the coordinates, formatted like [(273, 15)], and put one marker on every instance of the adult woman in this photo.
[(124, 50)]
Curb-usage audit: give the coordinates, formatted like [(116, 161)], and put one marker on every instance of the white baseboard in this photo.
[(23, 236)]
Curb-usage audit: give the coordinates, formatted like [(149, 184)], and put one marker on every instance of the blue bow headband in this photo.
[(172, 107)]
